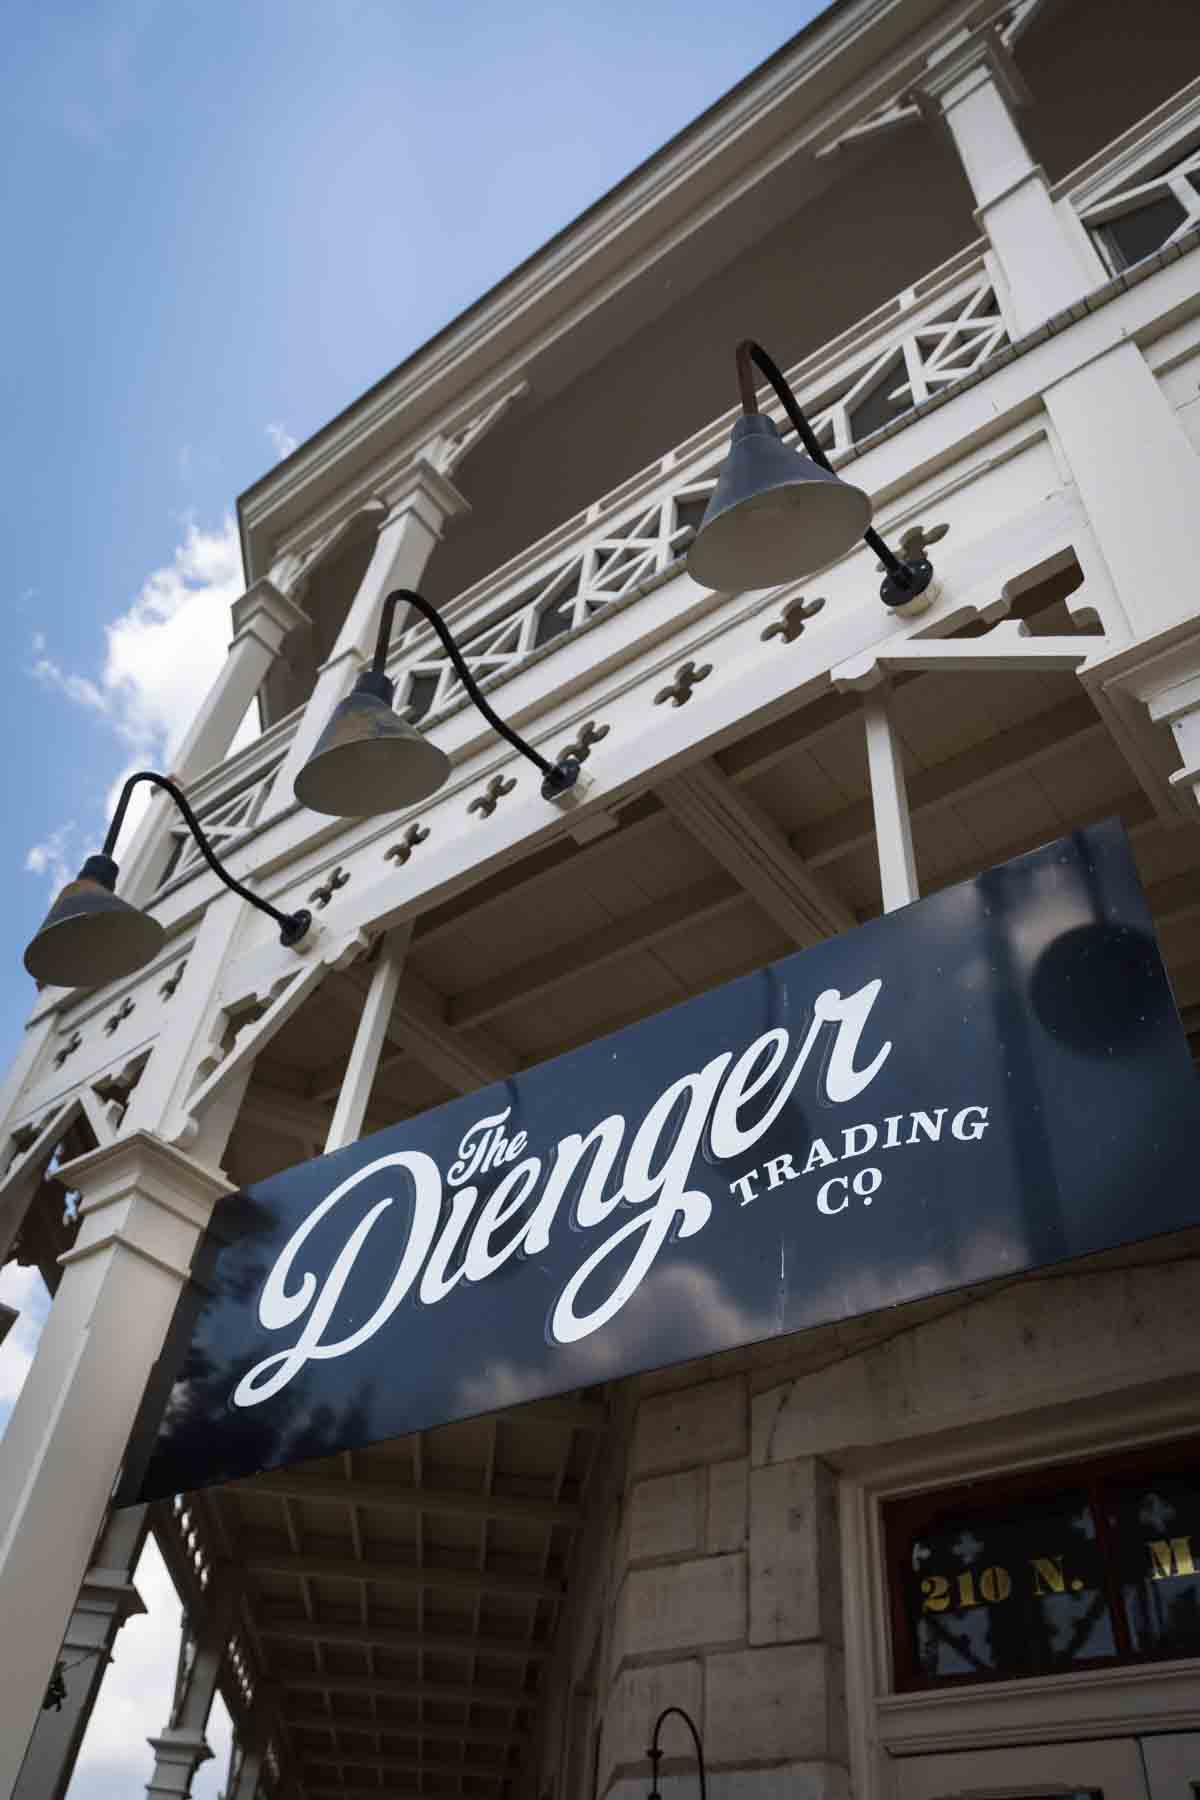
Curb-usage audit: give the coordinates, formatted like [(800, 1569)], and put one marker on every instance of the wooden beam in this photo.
[(385, 1727), (1135, 809), (1008, 648), (359, 1078), (389, 1574), (752, 848), (288, 1115), (464, 1060), (402, 1765), (1175, 897), (1000, 758), (392, 1637), (322, 1790), (637, 931), (395, 1496), (526, 879), (454, 1693), (889, 804)]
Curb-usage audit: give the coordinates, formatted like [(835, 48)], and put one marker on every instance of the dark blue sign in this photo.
[(991, 1080)]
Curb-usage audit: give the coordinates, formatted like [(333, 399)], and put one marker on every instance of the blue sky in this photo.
[(222, 222)]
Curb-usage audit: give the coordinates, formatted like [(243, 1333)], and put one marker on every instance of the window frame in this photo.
[(904, 1516)]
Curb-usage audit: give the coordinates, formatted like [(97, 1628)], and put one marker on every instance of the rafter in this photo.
[(638, 931), (392, 1637), (402, 1765), (464, 1060), (395, 1496), (442, 1692), (405, 1728), (264, 1561), (753, 849), (1007, 754)]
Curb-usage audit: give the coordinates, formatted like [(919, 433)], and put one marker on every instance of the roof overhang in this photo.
[(740, 168)]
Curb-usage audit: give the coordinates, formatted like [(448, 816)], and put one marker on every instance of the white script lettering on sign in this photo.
[(706, 1106)]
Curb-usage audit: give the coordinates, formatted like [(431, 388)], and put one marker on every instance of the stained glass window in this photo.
[(1042, 1573)]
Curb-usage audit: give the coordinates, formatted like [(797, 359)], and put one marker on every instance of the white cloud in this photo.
[(161, 657), (23, 1290), (282, 440), (54, 857)]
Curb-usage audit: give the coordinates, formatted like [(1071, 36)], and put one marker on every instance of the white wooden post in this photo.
[(248, 1751), (182, 1746), (407, 539), (351, 1108), (144, 1206), (975, 85), (106, 1599), (263, 619), (889, 800)]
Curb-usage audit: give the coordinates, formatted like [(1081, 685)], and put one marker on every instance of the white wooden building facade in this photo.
[(971, 233)]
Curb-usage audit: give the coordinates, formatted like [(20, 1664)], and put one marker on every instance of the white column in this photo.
[(248, 1752), (1137, 474), (182, 1746), (263, 619), (106, 1599), (1139, 479), (974, 86), (144, 1206), (407, 539), (889, 800), (376, 1015)]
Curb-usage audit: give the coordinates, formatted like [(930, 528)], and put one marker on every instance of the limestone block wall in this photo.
[(725, 1599)]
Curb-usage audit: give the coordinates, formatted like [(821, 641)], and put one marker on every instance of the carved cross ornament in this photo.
[(167, 990), (114, 1022), (399, 853), (680, 690), (791, 621), (581, 746), (69, 1048), (915, 542), (337, 878), (486, 803)]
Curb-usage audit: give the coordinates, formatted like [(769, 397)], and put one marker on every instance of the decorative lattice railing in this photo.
[(1141, 193), (920, 343)]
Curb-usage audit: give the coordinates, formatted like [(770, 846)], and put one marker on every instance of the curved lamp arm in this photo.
[(656, 1755), (292, 926), (557, 777), (904, 580)]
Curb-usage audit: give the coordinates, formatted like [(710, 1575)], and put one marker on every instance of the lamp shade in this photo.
[(368, 760), (89, 936), (775, 514)]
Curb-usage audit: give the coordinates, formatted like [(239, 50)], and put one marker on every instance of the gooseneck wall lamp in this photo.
[(655, 1752), (91, 936), (369, 760), (776, 514)]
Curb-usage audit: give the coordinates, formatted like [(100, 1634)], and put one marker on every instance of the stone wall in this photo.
[(727, 1603), (710, 1576)]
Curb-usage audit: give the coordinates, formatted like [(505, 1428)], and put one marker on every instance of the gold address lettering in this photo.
[(1169, 1557), (1048, 1577), (936, 1590), (995, 1584)]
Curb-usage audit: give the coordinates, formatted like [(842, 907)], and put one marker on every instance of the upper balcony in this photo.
[(1137, 204)]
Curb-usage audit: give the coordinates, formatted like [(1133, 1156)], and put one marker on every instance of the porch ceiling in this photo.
[(767, 848)]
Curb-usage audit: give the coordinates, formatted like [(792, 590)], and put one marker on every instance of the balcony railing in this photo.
[(1136, 196), (921, 342), (1143, 192)]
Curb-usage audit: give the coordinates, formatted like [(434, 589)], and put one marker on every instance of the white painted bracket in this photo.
[(1009, 647)]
